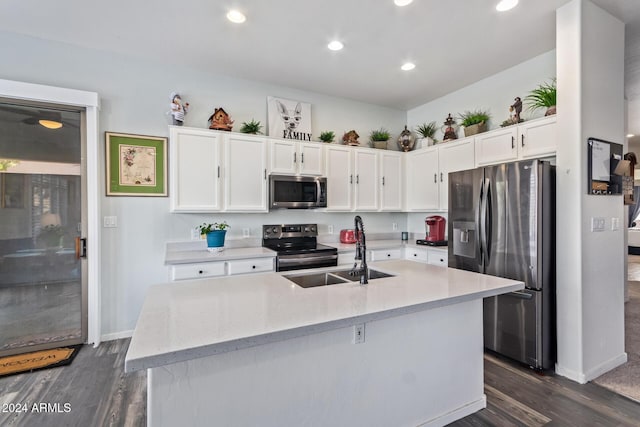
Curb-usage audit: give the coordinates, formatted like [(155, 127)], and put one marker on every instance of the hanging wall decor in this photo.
[(136, 165), (289, 119)]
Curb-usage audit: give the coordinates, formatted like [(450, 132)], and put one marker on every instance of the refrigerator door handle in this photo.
[(479, 227), (488, 220), (520, 294)]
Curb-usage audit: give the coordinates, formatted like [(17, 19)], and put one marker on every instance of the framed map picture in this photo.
[(136, 165), (289, 119)]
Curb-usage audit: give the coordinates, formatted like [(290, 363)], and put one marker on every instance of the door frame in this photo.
[(91, 103)]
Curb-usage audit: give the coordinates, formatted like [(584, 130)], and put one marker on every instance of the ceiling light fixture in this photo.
[(408, 66), (50, 124), (236, 17), (505, 5), (630, 135), (402, 2), (335, 45)]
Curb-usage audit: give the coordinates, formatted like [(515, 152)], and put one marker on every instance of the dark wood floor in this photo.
[(100, 394)]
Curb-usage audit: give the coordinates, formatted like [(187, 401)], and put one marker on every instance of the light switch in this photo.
[(597, 224), (615, 224), (110, 221)]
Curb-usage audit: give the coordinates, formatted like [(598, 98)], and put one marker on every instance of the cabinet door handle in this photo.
[(435, 178), (513, 141), (522, 139), (218, 171), (294, 157), (302, 158), (358, 179), (200, 271), (265, 174), (351, 179), (440, 176), (383, 180)]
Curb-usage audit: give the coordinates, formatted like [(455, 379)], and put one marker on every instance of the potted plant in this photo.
[(215, 234), (379, 138), (427, 132), (327, 136), (474, 121), (253, 127), (544, 96)]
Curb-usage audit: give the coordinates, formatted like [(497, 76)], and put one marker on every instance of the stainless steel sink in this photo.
[(373, 274), (311, 280)]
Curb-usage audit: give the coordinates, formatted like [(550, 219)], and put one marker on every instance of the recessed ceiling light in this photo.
[(630, 135), (335, 45), (236, 17), (402, 2), (408, 66), (505, 5)]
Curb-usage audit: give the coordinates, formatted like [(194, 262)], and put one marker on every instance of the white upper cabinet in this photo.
[(421, 180), (538, 138), (245, 173), (366, 181), (535, 138), (453, 157), (339, 173), (391, 177), (195, 170), (295, 158)]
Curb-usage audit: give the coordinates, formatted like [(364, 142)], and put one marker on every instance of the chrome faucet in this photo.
[(361, 253)]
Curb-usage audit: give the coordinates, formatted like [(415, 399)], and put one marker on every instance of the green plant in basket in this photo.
[(475, 117), (253, 127), (544, 96), (380, 135), (327, 136)]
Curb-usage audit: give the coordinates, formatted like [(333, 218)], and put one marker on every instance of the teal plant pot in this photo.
[(215, 239)]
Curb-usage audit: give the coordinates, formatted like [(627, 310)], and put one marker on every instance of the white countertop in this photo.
[(203, 255), (383, 244), (191, 319)]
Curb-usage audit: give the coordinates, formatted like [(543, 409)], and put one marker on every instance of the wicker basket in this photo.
[(474, 129)]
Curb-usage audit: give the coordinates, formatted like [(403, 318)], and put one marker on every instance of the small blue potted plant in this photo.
[(215, 233)]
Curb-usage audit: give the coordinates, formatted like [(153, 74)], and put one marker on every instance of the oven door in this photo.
[(303, 261), (297, 192)]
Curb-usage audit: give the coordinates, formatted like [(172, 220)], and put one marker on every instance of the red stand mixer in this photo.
[(435, 226)]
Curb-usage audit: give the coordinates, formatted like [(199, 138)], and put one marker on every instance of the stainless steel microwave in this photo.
[(297, 192)]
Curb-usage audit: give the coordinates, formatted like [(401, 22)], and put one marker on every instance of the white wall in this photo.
[(495, 93), (134, 97), (590, 266)]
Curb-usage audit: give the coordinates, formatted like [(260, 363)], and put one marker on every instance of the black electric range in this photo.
[(297, 247)]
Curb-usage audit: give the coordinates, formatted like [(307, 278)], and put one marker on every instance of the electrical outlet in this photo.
[(358, 333), (395, 226), (330, 229), (246, 232), (195, 234)]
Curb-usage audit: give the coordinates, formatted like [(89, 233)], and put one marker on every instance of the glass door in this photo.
[(42, 291)]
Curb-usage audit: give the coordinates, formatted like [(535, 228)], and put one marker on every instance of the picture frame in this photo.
[(12, 191), (136, 165)]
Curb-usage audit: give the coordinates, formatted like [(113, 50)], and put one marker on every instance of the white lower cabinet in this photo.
[(254, 265), (221, 268), (385, 254), (429, 255), (198, 271)]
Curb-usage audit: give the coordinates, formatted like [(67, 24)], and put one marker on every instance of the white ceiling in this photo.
[(452, 43)]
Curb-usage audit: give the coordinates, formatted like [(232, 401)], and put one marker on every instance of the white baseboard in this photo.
[(591, 374), (458, 413), (117, 335)]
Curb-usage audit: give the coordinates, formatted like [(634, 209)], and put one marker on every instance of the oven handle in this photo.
[(285, 260)]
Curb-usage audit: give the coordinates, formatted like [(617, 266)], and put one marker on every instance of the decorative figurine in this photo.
[(351, 138), (178, 109), (516, 109), (406, 140), (449, 129), (220, 120)]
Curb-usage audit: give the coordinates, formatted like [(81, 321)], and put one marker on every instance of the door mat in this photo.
[(43, 359)]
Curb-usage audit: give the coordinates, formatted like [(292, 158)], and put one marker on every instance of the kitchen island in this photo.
[(259, 350)]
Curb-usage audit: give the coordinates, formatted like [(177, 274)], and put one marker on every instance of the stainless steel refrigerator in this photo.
[(502, 223)]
